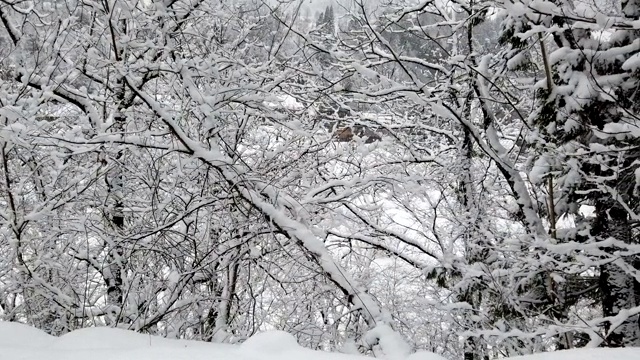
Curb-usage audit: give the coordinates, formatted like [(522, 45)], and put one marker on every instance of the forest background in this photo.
[(375, 177)]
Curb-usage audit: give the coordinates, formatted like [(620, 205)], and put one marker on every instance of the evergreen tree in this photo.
[(586, 133)]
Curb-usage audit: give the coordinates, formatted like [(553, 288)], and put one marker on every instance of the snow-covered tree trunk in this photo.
[(617, 284)]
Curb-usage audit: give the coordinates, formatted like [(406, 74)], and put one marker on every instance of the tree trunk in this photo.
[(617, 286)]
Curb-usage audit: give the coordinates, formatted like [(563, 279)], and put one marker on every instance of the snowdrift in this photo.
[(22, 342)]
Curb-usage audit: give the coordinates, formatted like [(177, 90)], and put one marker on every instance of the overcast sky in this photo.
[(319, 5)]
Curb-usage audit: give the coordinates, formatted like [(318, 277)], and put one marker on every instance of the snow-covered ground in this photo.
[(21, 342)]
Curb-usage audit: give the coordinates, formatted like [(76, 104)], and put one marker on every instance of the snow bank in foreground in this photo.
[(25, 343), (22, 342), (586, 354)]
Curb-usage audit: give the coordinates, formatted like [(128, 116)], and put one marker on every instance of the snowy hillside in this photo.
[(22, 342)]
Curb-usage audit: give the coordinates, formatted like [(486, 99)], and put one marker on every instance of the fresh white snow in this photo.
[(586, 354), (18, 341)]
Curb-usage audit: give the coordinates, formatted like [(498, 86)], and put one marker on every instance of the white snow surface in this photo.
[(18, 341), (586, 354)]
